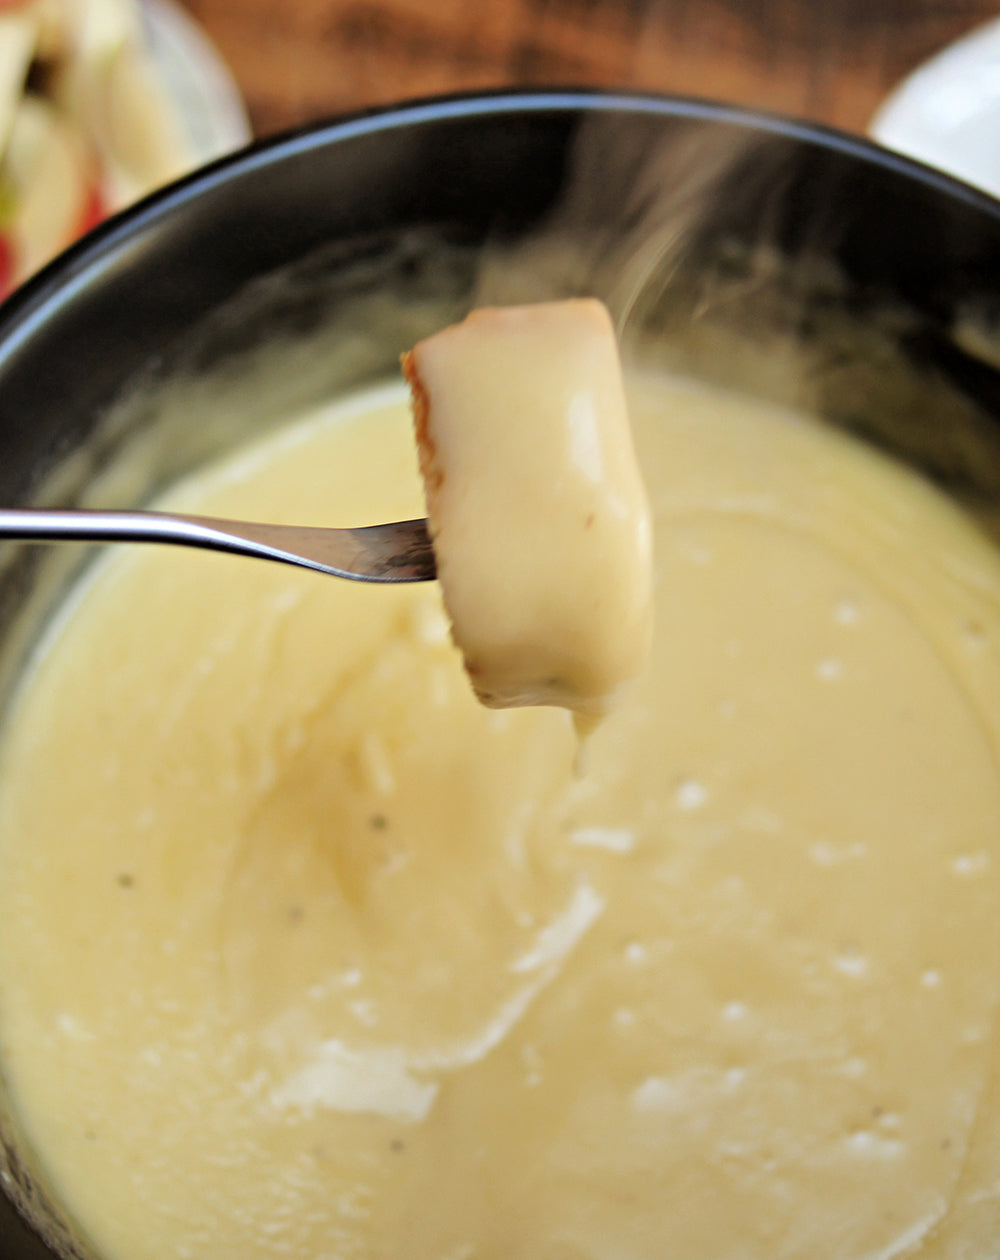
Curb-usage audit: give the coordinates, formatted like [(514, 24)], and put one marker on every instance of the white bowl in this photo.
[(947, 113)]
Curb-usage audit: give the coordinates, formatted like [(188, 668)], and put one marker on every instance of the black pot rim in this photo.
[(28, 305)]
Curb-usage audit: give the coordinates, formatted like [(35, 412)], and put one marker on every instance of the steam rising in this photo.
[(633, 207), (715, 263)]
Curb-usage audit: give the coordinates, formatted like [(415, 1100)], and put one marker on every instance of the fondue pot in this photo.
[(791, 262)]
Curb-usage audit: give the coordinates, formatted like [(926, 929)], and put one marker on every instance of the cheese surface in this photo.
[(303, 952), (538, 513)]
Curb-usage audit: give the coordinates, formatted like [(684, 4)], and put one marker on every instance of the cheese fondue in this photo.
[(304, 953)]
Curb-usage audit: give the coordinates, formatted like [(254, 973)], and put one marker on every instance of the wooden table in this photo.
[(827, 60)]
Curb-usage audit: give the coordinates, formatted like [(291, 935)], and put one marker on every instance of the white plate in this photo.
[(199, 81), (947, 113)]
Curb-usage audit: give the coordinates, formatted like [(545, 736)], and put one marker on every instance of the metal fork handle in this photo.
[(397, 552)]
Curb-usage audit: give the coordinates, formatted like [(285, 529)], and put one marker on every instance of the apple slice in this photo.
[(19, 27), (51, 186), (102, 25), (133, 125), (111, 84)]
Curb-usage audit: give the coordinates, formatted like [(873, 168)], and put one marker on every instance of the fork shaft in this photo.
[(396, 552)]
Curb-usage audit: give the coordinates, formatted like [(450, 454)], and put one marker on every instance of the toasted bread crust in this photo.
[(430, 467)]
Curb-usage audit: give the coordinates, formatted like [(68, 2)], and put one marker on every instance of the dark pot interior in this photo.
[(716, 237)]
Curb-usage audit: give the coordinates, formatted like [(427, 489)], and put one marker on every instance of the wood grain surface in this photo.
[(830, 61)]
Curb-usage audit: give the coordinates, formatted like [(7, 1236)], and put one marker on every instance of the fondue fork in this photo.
[(397, 552)]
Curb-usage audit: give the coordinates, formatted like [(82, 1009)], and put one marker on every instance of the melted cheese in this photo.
[(304, 953)]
